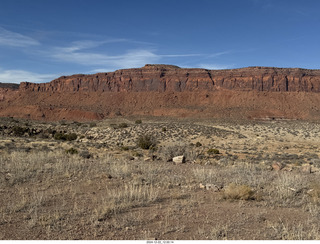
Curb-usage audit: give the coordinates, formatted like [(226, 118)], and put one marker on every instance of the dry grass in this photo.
[(54, 195), (123, 198), (314, 192), (60, 185), (288, 189), (297, 231), (238, 192)]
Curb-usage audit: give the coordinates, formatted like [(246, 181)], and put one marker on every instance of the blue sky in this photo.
[(43, 39)]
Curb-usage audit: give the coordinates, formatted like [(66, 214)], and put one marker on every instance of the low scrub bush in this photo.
[(19, 131), (72, 151), (65, 137), (169, 151), (146, 142), (314, 192), (123, 125), (212, 151), (238, 192), (198, 144)]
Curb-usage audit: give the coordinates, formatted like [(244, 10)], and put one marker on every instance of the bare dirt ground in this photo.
[(238, 180)]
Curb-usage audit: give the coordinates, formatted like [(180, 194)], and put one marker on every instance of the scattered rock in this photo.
[(209, 187), (179, 159), (147, 159)]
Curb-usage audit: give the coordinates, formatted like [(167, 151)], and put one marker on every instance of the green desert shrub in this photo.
[(65, 137), (139, 121), (123, 125), (213, 151), (19, 131), (146, 142), (72, 151)]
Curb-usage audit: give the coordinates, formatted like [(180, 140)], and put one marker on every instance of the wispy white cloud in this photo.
[(17, 76), (213, 55), (87, 44), (13, 39), (214, 66), (82, 52), (179, 55), (130, 58), (95, 55)]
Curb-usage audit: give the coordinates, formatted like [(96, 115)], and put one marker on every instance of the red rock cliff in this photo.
[(169, 78), (166, 90)]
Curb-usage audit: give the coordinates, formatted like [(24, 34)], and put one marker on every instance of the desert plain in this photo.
[(119, 179)]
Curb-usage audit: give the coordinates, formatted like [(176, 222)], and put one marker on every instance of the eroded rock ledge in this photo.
[(170, 78)]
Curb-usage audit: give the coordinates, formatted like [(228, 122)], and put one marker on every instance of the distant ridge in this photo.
[(12, 86), (168, 90), (171, 78)]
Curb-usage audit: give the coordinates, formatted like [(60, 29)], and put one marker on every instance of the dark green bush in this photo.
[(213, 151), (146, 142), (123, 125), (139, 121), (65, 137), (59, 136), (71, 136), (72, 151), (19, 131), (198, 144)]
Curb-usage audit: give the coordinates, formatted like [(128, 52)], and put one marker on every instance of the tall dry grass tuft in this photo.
[(287, 189), (299, 231), (205, 175), (314, 192), (238, 192), (126, 197)]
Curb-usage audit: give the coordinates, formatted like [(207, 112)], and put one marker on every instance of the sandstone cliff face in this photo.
[(166, 90), (167, 78)]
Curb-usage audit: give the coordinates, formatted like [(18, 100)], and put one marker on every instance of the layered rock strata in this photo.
[(166, 90), (168, 78)]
